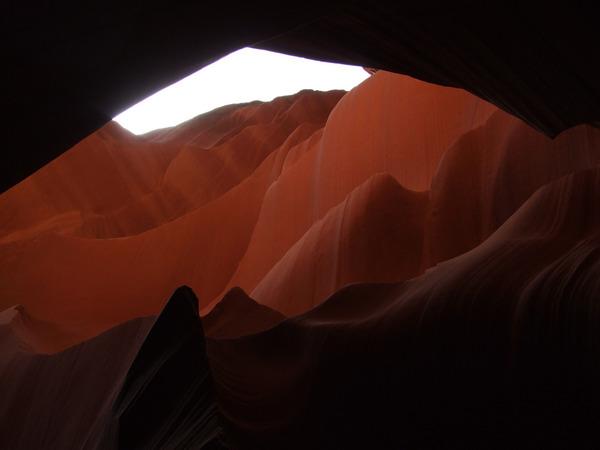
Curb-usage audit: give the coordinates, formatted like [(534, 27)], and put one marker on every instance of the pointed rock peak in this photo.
[(238, 314), (236, 296), (9, 314), (167, 399), (182, 298)]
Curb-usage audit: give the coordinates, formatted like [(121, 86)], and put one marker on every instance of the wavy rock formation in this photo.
[(362, 138), (421, 270), (103, 393), (239, 315), (375, 234), (116, 184), (494, 348), (199, 242)]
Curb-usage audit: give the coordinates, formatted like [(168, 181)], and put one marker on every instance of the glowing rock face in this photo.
[(473, 239), (284, 199), (185, 216)]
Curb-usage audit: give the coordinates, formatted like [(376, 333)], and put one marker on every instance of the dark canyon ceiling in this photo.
[(70, 68), (413, 264)]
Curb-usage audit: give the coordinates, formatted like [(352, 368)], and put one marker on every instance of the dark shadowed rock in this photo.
[(143, 384), (238, 315)]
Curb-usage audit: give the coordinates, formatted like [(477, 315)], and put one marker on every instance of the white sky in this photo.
[(242, 76)]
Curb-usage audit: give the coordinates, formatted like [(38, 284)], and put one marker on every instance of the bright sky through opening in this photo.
[(242, 76)]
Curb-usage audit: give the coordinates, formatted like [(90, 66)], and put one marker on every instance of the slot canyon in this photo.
[(410, 264)]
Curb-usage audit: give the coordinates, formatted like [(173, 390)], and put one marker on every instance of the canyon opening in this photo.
[(347, 226)]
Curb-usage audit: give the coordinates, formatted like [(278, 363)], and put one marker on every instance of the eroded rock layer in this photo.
[(400, 266)]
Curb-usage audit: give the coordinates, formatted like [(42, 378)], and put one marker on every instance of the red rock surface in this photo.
[(152, 231), (495, 347), (282, 199), (428, 249), (374, 235)]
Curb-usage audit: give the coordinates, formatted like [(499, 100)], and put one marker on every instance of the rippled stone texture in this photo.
[(403, 265)]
